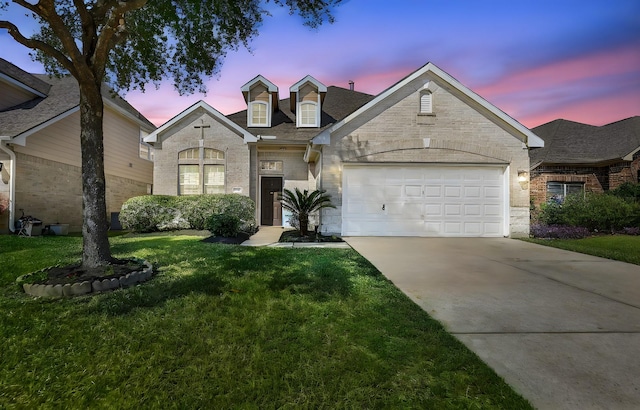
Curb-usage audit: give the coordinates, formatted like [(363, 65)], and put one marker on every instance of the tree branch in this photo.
[(37, 45), (88, 26), (112, 29)]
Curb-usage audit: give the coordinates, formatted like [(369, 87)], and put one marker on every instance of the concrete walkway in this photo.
[(562, 328), (270, 235)]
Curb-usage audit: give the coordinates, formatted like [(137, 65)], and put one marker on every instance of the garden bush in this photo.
[(226, 225), (594, 211), (151, 213)]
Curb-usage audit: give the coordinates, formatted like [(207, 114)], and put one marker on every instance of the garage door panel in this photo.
[(423, 201)]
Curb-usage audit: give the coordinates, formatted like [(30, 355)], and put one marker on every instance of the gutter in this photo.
[(12, 182)]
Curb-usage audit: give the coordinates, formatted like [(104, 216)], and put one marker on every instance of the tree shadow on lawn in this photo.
[(218, 270)]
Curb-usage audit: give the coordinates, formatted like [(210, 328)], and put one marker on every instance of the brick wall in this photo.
[(219, 137), (395, 133), (595, 179), (52, 191)]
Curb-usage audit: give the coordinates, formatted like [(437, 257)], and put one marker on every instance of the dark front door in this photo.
[(270, 187)]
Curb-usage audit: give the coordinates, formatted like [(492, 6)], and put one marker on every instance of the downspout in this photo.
[(12, 184)]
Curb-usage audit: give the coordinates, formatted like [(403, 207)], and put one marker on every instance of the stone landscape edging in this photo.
[(85, 287)]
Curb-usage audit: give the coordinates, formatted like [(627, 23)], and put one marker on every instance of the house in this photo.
[(426, 157), (580, 157), (40, 149)]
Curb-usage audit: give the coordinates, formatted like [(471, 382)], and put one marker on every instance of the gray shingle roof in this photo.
[(568, 142), (63, 96), (338, 103), (22, 76)]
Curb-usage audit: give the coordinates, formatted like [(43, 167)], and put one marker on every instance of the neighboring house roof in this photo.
[(569, 142), (338, 103), (200, 105), (471, 98), (62, 99), (23, 79)]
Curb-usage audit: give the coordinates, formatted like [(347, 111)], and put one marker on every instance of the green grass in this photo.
[(623, 248), (225, 326)]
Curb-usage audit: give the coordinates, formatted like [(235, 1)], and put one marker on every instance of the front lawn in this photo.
[(224, 326), (624, 248)]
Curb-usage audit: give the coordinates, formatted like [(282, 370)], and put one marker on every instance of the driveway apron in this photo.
[(561, 327)]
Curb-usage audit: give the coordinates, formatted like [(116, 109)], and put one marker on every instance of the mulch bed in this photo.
[(234, 240), (61, 275), (295, 236)]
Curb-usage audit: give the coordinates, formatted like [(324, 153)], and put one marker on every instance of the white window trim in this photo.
[(316, 106), (268, 111)]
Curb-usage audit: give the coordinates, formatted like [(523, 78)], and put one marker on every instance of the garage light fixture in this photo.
[(522, 176)]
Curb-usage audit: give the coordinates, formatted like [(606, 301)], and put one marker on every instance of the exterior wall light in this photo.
[(522, 176)]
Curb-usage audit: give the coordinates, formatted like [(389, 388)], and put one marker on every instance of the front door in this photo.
[(271, 187)]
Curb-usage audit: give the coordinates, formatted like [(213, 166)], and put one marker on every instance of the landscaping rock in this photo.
[(66, 290), (81, 288)]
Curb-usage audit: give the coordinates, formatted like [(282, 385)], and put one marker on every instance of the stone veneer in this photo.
[(84, 287)]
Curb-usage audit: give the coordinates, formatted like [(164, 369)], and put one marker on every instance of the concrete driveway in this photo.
[(562, 328)]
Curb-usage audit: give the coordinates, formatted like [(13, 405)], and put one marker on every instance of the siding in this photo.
[(60, 142)]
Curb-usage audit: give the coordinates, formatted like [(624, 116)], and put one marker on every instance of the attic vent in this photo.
[(426, 102)]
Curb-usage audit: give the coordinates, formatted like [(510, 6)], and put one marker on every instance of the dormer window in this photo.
[(308, 114), (261, 96), (306, 100), (258, 112)]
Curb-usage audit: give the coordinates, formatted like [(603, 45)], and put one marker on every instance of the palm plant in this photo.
[(303, 203)]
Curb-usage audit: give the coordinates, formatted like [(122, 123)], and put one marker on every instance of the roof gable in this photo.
[(155, 136), (470, 98)]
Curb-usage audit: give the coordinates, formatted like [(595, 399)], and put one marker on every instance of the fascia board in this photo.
[(321, 87), (259, 78), (21, 139), (23, 86), (629, 156), (153, 137), (109, 103)]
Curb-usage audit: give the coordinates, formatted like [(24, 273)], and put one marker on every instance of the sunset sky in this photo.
[(536, 60)]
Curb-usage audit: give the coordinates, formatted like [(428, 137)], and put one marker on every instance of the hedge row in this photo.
[(151, 213)]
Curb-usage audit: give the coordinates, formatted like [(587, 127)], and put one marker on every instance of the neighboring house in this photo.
[(40, 149), (426, 157), (579, 157)]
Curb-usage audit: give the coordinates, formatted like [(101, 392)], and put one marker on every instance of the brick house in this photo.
[(426, 157), (579, 157), (40, 149)]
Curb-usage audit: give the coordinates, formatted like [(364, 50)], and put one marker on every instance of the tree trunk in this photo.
[(95, 250), (304, 224)]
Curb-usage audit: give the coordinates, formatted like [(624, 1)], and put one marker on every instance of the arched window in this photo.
[(308, 115), (201, 171), (259, 114)]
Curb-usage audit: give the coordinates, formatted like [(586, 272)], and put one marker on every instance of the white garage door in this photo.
[(423, 201)]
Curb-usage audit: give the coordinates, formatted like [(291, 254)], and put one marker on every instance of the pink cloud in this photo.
[(593, 111), (614, 62)]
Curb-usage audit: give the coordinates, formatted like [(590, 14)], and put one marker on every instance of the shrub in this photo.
[(596, 212), (558, 232), (628, 190), (226, 225), (151, 213)]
